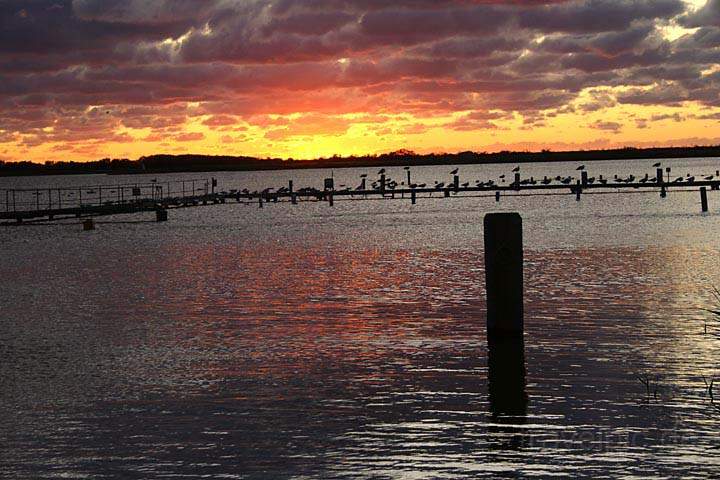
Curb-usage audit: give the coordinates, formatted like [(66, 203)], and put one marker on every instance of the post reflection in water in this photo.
[(506, 389)]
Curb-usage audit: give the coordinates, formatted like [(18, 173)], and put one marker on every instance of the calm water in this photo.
[(348, 342)]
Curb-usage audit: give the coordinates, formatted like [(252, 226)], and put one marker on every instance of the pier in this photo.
[(27, 204)]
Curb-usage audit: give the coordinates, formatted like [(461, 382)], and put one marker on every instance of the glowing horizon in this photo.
[(88, 79)]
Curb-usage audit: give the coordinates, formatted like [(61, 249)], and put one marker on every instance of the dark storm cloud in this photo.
[(143, 61), (46, 27), (597, 15)]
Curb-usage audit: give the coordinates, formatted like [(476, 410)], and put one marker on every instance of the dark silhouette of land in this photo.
[(163, 163)]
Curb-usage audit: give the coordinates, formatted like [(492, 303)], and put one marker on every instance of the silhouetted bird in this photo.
[(710, 177), (454, 172), (581, 167), (502, 176), (656, 165), (382, 170), (406, 168), (516, 169), (364, 175)]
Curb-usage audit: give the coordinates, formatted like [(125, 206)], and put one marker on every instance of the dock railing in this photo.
[(61, 198)]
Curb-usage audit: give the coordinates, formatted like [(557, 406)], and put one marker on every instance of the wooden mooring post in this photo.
[(703, 199), (504, 274), (413, 197)]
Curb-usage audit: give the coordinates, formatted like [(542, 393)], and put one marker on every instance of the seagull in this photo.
[(581, 167), (656, 165), (454, 172), (502, 176), (516, 169), (382, 170), (364, 175), (406, 168)]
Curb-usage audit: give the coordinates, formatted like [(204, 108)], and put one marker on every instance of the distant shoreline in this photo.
[(157, 164)]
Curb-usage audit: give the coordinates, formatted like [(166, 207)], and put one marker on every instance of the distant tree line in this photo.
[(202, 163)]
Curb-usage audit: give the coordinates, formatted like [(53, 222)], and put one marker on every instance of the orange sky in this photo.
[(87, 79)]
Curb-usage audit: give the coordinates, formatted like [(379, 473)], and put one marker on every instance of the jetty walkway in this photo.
[(21, 205)]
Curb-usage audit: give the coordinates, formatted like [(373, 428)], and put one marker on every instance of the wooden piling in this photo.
[(504, 274), (382, 184), (703, 199), (578, 190), (88, 224), (456, 183), (290, 186), (161, 215), (447, 192), (331, 202), (659, 176), (497, 195), (413, 197), (260, 202), (584, 178), (517, 181), (293, 198)]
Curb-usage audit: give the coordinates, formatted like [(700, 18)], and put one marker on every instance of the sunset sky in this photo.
[(87, 79)]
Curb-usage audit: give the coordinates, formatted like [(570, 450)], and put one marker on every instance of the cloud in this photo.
[(166, 66), (614, 127), (708, 15)]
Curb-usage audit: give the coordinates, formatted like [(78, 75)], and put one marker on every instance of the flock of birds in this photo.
[(388, 184)]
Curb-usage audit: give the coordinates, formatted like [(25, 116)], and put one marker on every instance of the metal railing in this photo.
[(58, 198)]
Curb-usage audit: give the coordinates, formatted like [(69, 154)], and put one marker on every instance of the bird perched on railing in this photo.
[(581, 167), (454, 172), (516, 169)]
